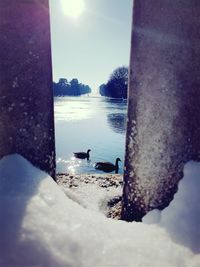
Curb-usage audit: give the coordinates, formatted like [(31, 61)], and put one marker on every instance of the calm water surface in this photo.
[(94, 123)]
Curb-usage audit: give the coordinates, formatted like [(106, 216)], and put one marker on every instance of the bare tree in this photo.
[(116, 86)]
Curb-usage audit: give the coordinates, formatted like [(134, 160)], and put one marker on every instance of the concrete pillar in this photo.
[(163, 130), (26, 98)]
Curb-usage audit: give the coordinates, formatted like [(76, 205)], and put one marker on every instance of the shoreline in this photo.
[(102, 192)]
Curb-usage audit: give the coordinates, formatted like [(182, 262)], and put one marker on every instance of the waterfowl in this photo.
[(82, 155), (107, 166)]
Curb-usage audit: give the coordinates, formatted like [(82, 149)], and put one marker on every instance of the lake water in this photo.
[(87, 122)]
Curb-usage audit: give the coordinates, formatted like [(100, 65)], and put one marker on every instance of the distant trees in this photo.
[(117, 84), (71, 88)]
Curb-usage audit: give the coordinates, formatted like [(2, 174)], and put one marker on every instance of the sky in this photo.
[(92, 45)]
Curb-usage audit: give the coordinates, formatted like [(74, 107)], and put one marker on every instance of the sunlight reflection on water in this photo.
[(94, 123), (74, 110)]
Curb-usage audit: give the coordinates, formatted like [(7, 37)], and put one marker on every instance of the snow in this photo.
[(84, 195), (92, 192), (40, 226), (182, 217)]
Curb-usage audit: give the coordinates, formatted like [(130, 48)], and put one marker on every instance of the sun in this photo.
[(73, 8)]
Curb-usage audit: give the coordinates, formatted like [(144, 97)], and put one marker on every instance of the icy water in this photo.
[(95, 123)]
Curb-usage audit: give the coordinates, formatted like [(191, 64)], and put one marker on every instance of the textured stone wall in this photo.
[(163, 130), (26, 100)]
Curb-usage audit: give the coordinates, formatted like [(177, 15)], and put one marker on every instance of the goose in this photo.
[(107, 166), (82, 155)]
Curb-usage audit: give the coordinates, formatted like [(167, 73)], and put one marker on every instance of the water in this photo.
[(95, 123)]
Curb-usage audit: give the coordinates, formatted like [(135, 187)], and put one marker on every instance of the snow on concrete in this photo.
[(182, 217), (40, 226)]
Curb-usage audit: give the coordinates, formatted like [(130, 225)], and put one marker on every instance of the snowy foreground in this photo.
[(94, 191), (40, 226)]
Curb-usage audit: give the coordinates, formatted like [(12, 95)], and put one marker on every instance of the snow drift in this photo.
[(182, 217), (40, 226)]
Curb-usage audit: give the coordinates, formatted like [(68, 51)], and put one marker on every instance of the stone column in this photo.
[(26, 97), (163, 130)]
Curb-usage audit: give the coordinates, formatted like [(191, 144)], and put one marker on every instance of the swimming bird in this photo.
[(107, 166), (82, 155)]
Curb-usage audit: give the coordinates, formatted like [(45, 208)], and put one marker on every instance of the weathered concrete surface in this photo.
[(164, 102), (26, 100)]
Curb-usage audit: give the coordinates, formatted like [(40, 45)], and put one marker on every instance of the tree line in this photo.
[(70, 88), (117, 85)]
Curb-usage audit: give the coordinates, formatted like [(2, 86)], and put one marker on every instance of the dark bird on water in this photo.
[(82, 155), (107, 166)]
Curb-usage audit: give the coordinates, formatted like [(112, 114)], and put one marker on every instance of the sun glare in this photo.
[(73, 8)]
